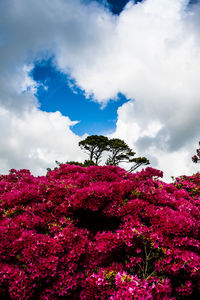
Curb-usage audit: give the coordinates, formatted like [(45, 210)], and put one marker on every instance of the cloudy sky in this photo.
[(126, 69)]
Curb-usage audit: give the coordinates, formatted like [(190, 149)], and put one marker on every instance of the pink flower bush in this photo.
[(99, 233), (196, 158)]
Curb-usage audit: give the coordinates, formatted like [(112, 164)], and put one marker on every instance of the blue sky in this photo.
[(60, 96), (57, 94), (125, 69), (116, 6)]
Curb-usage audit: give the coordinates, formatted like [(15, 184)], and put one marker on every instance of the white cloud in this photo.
[(32, 30), (150, 53), (153, 57), (35, 139), (27, 84)]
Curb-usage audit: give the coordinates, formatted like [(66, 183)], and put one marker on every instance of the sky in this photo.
[(123, 69)]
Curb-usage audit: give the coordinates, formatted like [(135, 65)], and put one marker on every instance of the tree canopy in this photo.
[(95, 145), (118, 150), (139, 161)]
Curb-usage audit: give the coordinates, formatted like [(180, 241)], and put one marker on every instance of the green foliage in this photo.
[(86, 163), (94, 145), (120, 152), (139, 161)]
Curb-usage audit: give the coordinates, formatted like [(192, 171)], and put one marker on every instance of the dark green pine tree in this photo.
[(94, 145), (121, 152)]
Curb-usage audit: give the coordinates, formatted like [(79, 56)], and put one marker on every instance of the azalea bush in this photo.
[(196, 158), (99, 233)]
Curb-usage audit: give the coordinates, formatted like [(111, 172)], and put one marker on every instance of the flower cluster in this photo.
[(99, 233), (196, 158)]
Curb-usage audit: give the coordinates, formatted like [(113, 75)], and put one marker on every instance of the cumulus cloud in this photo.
[(153, 57), (35, 139), (163, 79), (150, 53), (31, 30)]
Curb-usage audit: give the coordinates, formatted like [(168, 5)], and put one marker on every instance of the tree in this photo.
[(120, 152), (139, 161), (196, 158), (95, 145)]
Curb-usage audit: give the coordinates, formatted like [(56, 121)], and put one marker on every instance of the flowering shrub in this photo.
[(196, 158), (99, 233)]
